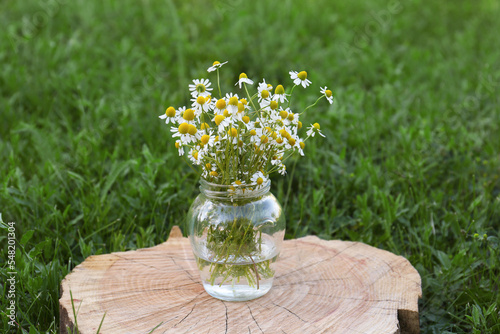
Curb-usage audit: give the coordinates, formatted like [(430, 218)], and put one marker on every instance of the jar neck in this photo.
[(233, 192)]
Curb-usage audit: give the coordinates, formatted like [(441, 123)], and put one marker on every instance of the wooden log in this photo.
[(320, 287)]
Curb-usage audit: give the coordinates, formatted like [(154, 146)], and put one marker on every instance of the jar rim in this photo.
[(231, 192)]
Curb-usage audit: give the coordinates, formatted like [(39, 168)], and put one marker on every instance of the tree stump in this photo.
[(320, 287)]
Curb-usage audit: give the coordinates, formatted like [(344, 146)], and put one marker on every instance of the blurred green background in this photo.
[(411, 161)]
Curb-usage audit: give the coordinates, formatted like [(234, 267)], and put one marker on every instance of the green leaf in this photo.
[(26, 237)]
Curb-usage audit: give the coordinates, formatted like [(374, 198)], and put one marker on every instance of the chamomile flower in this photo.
[(259, 178), (282, 169), (200, 88), (279, 94), (187, 133), (328, 94), (207, 140), (313, 129), (300, 78), (179, 147), (170, 115), (232, 103), (201, 104), (222, 122), (195, 155), (216, 65), (243, 79), (300, 146)]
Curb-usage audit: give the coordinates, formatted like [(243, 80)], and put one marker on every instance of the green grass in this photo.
[(411, 161)]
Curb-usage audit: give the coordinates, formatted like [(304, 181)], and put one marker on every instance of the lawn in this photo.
[(410, 162)]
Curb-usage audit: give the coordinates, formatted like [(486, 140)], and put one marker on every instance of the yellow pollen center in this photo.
[(215, 63), (253, 132), (264, 139), (208, 166), (328, 92), (192, 130), (279, 90), (204, 126), (244, 101), (188, 114), (316, 126), (183, 128), (279, 140), (226, 113), (302, 145), (170, 112), (204, 139), (290, 116), (274, 105), (233, 132), (200, 100), (218, 119), (220, 104), (299, 125), (177, 145), (264, 94), (241, 107), (291, 141), (283, 114), (260, 181), (214, 173), (243, 76), (233, 101), (195, 155), (245, 119), (302, 75)]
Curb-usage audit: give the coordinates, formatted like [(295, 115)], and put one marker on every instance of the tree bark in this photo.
[(320, 287)]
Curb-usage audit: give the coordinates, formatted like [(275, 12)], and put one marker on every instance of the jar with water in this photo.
[(236, 233)]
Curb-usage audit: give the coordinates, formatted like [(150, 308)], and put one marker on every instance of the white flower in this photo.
[(282, 169), (195, 155), (313, 129), (232, 103), (259, 178), (300, 146), (244, 79), (264, 86), (328, 94), (200, 88), (201, 104), (187, 133), (170, 115), (300, 78), (279, 94), (216, 65), (178, 145)]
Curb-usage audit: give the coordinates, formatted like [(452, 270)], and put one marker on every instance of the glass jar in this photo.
[(236, 233)]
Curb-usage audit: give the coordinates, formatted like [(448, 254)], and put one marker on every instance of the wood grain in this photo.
[(320, 287)]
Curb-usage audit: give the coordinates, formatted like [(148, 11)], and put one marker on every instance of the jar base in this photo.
[(237, 293)]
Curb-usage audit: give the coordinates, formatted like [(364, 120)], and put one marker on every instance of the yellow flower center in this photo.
[(290, 116), (233, 132), (220, 104), (274, 105), (260, 181), (302, 75), (208, 98), (204, 126), (244, 101), (192, 129), (302, 145), (170, 112), (177, 145), (215, 63), (218, 119), (245, 119), (264, 139), (283, 114), (243, 76), (264, 94), (233, 101), (200, 100), (328, 93), (284, 133), (253, 132), (188, 114), (200, 88), (279, 140), (195, 154), (299, 125), (226, 113), (316, 126), (279, 90), (183, 128), (240, 143), (214, 173), (238, 182), (241, 107), (291, 141), (208, 166), (204, 139)]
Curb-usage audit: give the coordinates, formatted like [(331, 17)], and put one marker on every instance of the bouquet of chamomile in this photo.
[(241, 138)]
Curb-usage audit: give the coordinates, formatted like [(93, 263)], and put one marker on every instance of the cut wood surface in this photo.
[(320, 287)]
